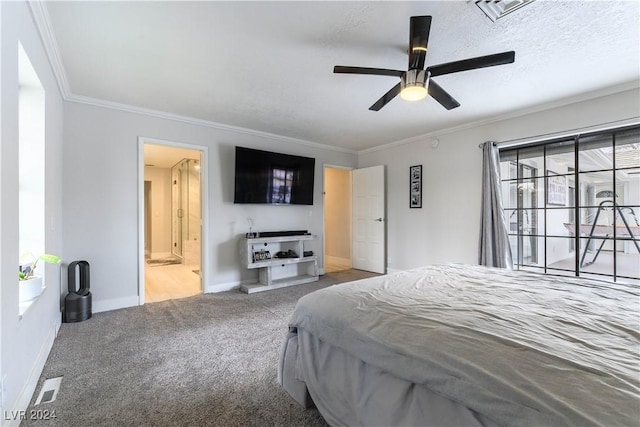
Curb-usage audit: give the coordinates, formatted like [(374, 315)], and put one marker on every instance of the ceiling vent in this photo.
[(496, 9)]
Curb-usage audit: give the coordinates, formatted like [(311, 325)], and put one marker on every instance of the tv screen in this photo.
[(273, 178)]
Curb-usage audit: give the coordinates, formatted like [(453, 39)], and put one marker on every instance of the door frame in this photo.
[(205, 266), (324, 214)]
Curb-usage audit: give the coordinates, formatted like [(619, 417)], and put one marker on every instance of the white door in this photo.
[(369, 237)]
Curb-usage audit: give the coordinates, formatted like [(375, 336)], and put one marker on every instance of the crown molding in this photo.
[(634, 84), (42, 21), (200, 122)]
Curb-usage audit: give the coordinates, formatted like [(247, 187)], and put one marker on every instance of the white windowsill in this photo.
[(24, 305)]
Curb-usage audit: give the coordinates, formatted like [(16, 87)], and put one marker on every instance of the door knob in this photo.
[(379, 219)]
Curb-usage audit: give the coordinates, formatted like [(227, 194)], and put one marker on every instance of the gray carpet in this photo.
[(207, 360)]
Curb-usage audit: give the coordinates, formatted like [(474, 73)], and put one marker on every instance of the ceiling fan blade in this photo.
[(440, 95), (386, 98), (418, 40), (364, 70), (472, 63)]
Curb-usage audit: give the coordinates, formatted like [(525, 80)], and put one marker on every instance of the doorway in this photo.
[(171, 220), (337, 219)]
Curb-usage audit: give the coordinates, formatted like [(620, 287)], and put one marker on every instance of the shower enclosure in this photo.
[(186, 211)]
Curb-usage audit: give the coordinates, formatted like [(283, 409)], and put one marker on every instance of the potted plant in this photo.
[(30, 285)]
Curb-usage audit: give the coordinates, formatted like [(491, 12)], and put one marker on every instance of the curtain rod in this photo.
[(570, 132)]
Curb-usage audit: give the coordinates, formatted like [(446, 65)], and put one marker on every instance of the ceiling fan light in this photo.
[(413, 93), (414, 85)]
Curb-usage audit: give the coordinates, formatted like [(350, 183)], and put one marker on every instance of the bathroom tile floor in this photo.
[(171, 282)]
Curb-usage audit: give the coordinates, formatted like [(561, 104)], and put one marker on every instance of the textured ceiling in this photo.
[(267, 66)]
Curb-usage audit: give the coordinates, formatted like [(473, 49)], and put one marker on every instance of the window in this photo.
[(31, 162), (573, 205)]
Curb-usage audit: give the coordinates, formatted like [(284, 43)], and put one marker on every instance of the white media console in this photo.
[(274, 273)]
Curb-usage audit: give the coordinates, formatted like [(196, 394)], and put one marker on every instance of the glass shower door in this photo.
[(177, 202), (185, 199)]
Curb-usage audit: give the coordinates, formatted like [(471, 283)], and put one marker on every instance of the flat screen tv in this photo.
[(273, 178)]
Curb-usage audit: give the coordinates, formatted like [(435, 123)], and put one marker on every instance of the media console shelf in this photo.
[(275, 272)]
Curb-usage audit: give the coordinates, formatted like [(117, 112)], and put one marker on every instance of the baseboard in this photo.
[(224, 287), (24, 398), (393, 270), (114, 304)]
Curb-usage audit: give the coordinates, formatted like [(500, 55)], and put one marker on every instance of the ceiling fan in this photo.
[(416, 82)]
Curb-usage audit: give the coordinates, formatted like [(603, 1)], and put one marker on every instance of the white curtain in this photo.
[(494, 248)]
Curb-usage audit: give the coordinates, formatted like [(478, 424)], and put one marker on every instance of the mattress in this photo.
[(509, 348)]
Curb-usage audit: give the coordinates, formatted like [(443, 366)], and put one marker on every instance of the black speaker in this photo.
[(77, 304)]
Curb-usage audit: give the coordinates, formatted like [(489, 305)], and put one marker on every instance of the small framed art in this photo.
[(415, 186)]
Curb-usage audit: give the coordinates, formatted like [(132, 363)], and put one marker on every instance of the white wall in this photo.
[(101, 196), (25, 342), (446, 228)]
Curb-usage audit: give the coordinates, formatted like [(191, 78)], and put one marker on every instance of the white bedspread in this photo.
[(518, 348)]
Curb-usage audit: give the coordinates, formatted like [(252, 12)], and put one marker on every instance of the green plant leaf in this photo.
[(51, 259)]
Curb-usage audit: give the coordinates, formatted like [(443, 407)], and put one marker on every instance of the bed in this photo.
[(467, 345)]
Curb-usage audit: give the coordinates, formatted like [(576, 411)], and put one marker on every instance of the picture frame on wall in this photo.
[(415, 186), (556, 189)]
